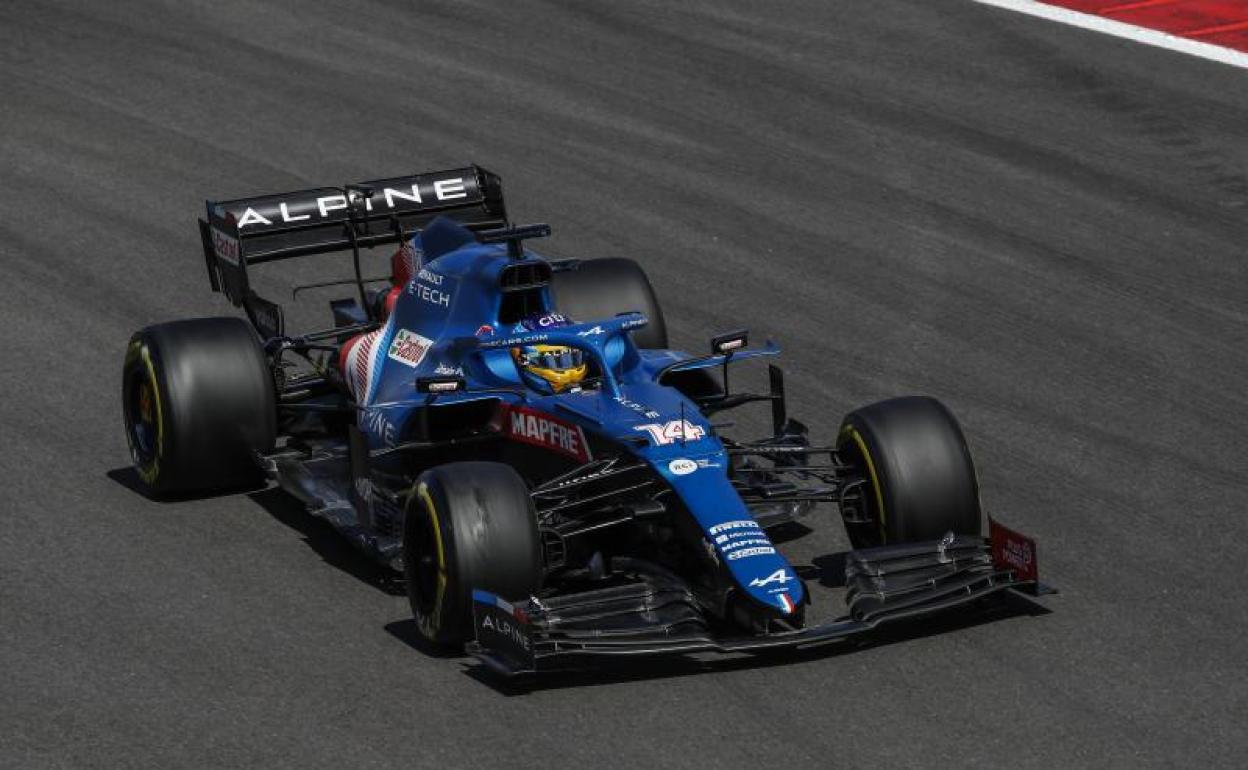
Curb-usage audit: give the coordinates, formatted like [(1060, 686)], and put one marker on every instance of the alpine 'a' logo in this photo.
[(780, 576)]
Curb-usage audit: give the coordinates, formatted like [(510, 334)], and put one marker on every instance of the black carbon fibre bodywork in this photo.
[(657, 614)]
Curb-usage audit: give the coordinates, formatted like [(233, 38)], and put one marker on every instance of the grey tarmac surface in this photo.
[(1043, 227)]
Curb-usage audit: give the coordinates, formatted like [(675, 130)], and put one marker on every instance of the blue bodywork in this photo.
[(454, 302)]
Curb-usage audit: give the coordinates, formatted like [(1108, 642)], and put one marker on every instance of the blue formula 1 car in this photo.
[(514, 435)]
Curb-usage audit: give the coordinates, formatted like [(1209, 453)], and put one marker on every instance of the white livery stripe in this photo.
[(1119, 29), (362, 366), (376, 352)]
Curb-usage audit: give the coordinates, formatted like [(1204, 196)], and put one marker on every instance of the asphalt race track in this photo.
[(1043, 227)]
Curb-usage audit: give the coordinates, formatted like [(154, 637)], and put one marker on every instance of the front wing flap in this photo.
[(884, 585)]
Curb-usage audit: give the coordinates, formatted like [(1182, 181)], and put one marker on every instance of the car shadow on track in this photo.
[(325, 541), (788, 531), (1002, 607), (128, 477), (406, 631), (830, 569), (319, 535)]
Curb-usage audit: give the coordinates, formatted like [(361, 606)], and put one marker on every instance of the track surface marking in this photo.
[(1217, 30)]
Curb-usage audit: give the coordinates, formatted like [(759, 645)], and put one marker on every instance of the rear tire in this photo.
[(920, 479), (468, 525), (198, 403), (603, 288)]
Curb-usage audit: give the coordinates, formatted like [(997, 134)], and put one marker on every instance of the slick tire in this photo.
[(198, 403), (602, 288), (467, 525), (920, 482)]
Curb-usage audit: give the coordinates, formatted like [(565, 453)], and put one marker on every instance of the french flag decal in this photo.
[(786, 604)]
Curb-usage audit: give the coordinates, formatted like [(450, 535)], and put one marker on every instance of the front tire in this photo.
[(198, 403), (468, 525), (919, 479)]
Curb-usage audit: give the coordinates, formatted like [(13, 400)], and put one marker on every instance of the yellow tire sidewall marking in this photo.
[(875, 479), (423, 492)]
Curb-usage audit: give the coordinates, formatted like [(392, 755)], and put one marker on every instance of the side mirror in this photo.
[(727, 343), (439, 384)]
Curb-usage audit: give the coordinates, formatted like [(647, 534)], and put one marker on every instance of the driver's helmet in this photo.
[(549, 368)]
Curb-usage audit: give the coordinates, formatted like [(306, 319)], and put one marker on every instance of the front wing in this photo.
[(660, 616)]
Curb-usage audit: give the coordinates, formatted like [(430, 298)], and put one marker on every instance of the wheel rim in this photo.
[(143, 428)]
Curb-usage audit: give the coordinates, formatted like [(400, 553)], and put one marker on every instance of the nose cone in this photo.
[(733, 538), (756, 565)]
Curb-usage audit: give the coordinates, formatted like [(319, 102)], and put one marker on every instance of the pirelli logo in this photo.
[(529, 426)]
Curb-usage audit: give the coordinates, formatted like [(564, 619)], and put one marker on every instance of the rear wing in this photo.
[(248, 231)]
